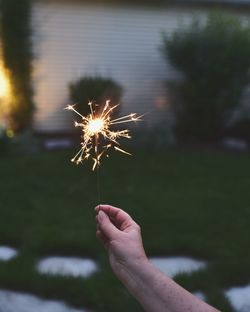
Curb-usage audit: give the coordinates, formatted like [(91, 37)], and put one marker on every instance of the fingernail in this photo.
[(101, 215), (97, 207)]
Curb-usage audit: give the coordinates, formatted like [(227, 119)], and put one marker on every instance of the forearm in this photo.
[(156, 292)]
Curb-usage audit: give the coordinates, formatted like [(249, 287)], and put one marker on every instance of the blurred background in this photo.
[(186, 66)]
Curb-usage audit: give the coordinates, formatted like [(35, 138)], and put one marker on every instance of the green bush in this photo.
[(4, 142), (96, 90), (240, 129), (213, 57)]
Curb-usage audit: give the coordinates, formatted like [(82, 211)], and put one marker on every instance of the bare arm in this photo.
[(156, 292)]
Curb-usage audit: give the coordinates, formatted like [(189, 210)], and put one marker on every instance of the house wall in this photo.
[(73, 39)]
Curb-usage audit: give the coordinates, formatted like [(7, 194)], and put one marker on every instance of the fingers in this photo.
[(110, 210), (106, 227), (102, 238), (119, 217)]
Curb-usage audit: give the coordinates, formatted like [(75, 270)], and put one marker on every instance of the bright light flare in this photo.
[(6, 95), (95, 126), (97, 135), (4, 84)]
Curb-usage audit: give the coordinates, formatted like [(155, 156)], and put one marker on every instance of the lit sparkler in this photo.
[(96, 128)]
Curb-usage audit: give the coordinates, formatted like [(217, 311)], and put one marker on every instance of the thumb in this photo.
[(106, 226)]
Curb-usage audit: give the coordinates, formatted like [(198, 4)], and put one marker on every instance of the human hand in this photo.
[(155, 291), (121, 236)]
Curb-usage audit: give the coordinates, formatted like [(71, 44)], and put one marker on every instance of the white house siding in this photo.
[(72, 40)]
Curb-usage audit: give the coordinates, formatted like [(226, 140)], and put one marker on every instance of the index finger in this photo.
[(117, 215)]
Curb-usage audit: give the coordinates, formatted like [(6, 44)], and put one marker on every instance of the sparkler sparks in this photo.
[(96, 129)]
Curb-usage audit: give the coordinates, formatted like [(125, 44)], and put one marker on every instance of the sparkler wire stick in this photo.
[(98, 184), (98, 171)]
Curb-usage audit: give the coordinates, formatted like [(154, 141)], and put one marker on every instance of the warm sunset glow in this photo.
[(5, 95), (4, 84)]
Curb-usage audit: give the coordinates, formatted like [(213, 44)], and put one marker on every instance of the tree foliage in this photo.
[(213, 56), (96, 90), (17, 56)]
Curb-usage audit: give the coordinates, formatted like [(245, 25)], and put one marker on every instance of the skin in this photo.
[(121, 236)]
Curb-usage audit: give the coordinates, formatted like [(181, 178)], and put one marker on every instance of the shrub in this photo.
[(96, 90), (213, 57), (3, 143), (240, 129)]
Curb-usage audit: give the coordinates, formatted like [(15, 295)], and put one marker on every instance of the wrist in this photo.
[(131, 270)]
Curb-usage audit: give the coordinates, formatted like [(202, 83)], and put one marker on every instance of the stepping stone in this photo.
[(7, 253), (67, 266), (172, 266), (18, 302), (239, 298)]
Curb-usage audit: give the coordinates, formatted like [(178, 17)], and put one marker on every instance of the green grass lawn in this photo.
[(187, 203)]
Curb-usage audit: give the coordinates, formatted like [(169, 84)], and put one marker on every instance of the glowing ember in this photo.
[(97, 125)]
